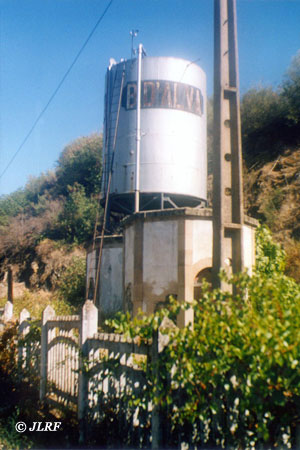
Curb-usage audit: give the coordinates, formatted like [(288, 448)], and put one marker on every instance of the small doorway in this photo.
[(203, 274)]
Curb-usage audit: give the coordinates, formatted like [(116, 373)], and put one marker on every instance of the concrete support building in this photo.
[(161, 253)]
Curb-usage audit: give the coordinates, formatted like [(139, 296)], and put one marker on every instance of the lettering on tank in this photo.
[(164, 94)]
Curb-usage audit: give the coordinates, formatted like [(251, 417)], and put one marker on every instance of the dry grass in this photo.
[(36, 302), (272, 194)]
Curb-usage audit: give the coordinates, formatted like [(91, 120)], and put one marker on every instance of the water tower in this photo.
[(155, 172)]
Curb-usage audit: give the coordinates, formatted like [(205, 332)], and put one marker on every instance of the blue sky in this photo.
[(40, 38)]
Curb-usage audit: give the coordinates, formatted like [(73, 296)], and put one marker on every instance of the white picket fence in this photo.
[(59, 357), (6, 314), (71, 361)]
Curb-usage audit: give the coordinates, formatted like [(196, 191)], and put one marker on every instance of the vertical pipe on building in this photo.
[(138, 130)]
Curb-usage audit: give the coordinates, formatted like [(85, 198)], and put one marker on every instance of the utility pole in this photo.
[(228, 215)]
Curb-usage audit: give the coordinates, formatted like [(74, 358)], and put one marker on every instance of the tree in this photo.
[(71, 284), (78, 217), (80, 163), (291, 91), (39, 186), (11, 205), (271, 117), (263, 124)]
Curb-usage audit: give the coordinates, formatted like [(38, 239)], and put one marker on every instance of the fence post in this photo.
[(88, 327), (24, 328), (10, 285), (159, 342), (8, 311), (155, 416), (48, 314)]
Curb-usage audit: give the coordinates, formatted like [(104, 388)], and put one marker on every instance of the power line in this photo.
[(57, 88)]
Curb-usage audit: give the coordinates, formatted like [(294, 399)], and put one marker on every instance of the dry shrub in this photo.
[(292, 249), (25, 229), (53, 259)]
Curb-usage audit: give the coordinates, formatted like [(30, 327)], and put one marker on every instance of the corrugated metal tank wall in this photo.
[(173, 158)]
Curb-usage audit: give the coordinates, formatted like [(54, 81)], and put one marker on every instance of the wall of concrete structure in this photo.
[(160, 261), (111, 280), (163, 253), (249, 245), (110, 294), (91, 267)]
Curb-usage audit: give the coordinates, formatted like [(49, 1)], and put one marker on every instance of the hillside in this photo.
[(45, 226), (41, 242), (272, 195)]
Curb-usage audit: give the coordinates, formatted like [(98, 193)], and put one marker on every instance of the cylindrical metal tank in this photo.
[(173, 157)]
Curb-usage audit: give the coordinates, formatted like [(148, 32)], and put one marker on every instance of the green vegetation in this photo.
[(230, 381), (263, 124), (77, 220), (42, 225), (271, 149), (80, 163), (36, 302), (55, 205), (271, 117), (233, 380), (270, 120), (71, 286)]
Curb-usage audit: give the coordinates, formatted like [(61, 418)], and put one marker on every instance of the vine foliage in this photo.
[(233, 380)]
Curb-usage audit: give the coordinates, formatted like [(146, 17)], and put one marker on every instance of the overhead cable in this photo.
[(57, 89)]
